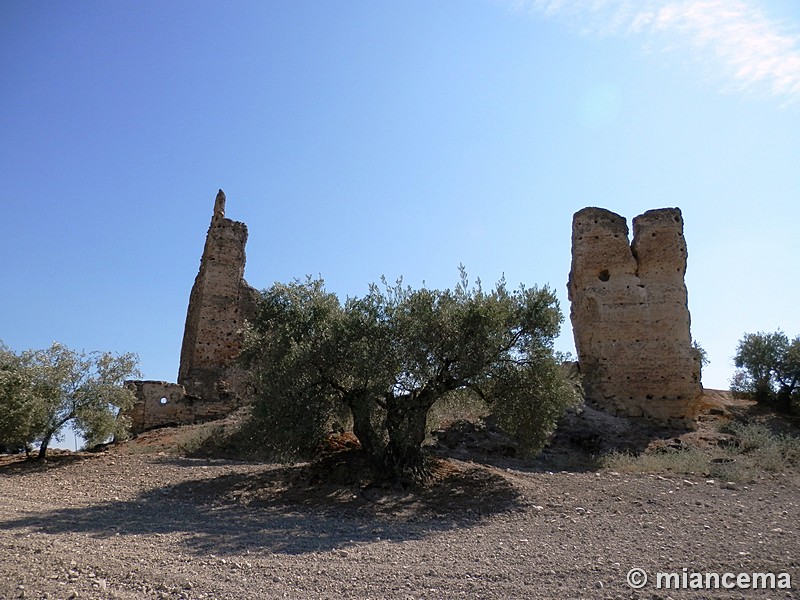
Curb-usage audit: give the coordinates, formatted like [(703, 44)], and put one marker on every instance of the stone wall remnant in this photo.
[(220, 302), (630, 316), (210, 385), (160, 403)]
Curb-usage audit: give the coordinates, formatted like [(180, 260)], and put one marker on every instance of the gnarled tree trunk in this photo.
[(406, 424)]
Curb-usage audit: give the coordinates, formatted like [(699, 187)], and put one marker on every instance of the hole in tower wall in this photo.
[(163, 400), (604, 275)]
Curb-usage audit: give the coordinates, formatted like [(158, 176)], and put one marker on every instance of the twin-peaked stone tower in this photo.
[(630, 316)]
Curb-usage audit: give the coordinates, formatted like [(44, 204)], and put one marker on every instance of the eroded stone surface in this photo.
[(630, 316), (219, 303), (160, 403), (209, 384)]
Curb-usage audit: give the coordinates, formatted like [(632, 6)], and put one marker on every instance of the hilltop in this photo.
[(143, 520)]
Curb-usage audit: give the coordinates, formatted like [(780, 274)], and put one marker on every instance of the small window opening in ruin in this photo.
[(649, 396), (163, 400), (604, 275), (677, 219)]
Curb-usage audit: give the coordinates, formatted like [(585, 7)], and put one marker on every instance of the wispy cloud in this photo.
[(738, 39)]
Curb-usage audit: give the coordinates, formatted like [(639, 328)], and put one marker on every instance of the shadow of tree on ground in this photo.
[(286, 510), (17, 464)]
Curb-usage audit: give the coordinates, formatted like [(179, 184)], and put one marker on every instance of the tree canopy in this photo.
[(388, 356), (768, 369), (43, 390)]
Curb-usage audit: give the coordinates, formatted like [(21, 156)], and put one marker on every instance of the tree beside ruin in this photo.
[(768, 369), (387, 357), (42, 391)]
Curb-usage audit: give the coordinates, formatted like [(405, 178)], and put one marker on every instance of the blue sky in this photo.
[(366, 138)]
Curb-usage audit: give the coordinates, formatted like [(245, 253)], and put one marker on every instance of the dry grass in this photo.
[(755, 449)]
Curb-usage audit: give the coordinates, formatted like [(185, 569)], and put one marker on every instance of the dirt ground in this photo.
[(126, 524)]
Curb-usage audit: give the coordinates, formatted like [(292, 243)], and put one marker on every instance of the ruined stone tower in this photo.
[(219, 303), (630, 316), (209, 383)]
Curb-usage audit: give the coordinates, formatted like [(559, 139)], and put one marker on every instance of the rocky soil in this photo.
[(123, 525)]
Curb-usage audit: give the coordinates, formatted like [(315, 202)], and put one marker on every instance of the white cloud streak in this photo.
[(736, 39)]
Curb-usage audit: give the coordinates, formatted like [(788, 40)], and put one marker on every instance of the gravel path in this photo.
[(125, 526)]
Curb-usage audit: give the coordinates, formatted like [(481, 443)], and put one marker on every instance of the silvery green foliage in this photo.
[(768, 369), (390, 355), (41, 391)]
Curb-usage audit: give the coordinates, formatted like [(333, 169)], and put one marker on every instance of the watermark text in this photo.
[(686, 579)]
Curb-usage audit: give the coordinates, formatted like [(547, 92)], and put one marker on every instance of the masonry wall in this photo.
[(630, 316), (219, 303), (159, 403), (209, 383)]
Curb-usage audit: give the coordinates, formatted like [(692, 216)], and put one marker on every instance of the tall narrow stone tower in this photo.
[(630, 316), (219, 303)]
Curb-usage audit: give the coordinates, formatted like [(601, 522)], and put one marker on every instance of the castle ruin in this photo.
[(209, 384), (219, 303), (630, 316)]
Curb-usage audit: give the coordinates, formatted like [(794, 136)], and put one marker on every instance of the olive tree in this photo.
[(388, 356), (768, 369), (20, 416), (41, 391)]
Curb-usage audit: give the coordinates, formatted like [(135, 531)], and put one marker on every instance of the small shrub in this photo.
[(730, 470), (773, 452), (750, 437), (756, 450), (688, 461), (197, 440)]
